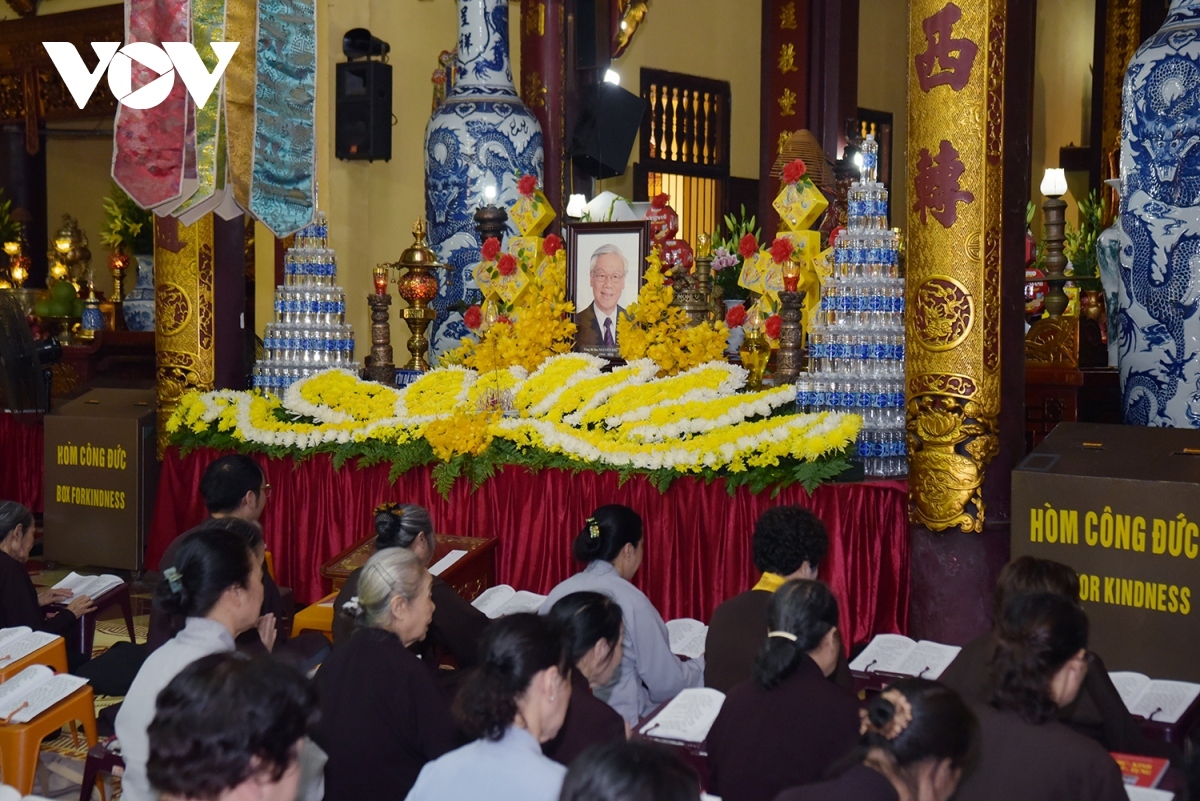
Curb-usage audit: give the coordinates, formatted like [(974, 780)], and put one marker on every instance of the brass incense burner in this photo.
[(418, 285)]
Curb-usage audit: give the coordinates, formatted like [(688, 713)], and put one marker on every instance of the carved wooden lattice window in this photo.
[(684, 147)]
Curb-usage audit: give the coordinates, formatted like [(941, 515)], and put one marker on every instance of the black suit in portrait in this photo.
[(589, 337)]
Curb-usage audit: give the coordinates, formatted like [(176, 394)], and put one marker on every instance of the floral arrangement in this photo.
[(535, 326), (656, 330), (128, 228), (567, 414), (729, 253)]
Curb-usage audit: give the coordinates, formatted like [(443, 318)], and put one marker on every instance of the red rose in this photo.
[(504, 319), (748, 246), (473, 318), (490, 248), (794, 171), (527, 185), (659, 200), (781, 249), (774, 323), (552, 245), (507, 265), (735, 316)]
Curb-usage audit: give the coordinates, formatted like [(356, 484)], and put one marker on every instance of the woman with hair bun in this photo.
[(216, 586), (630, 771), (814, 722), (457, 626), (915, 737), (1040, 663), (591, 625), (382, 716), (612, 547), (512, 704)]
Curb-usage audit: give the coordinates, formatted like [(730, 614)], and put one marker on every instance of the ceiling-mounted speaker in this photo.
[(608, 125)]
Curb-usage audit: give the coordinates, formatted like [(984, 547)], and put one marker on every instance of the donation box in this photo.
[(101, 477), (1121, 505)]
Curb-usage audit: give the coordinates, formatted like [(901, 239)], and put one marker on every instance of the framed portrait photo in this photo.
[(605, 265)]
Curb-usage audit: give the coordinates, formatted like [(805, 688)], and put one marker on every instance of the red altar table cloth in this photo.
[(21, 459), (697, 536)]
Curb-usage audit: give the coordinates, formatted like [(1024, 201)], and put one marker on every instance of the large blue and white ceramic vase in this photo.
[(1158, 327), (481, 136), (138, 306)]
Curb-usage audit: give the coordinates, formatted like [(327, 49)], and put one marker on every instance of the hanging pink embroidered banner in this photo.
[(149, 145)]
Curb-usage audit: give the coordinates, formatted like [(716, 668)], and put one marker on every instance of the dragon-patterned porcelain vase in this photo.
[(481, 136), (1158, 328)]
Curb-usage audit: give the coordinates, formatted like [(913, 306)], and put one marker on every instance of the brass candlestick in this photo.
[(788, 359), (118, 265), (70, 256), (381, 367), (418, 286)]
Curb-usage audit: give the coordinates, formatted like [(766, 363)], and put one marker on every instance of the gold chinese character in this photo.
[(535, 93), (787, 17), (535, 19), (784, 136), (787, 103), (787, 59)]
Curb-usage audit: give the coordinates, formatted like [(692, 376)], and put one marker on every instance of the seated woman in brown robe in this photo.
[(457, 626), (590, 623), (1025, 752), (382, 716), (787, 725), (20, 603), (1098, 711), (916, 736)]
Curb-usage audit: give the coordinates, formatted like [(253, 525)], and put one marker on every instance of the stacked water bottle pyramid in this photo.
[(309, 333), (856, 346)]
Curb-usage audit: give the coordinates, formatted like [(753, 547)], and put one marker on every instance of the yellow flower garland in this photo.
[(656, 330)]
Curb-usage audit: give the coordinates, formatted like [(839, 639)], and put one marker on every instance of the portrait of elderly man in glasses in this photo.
[(597, 323)]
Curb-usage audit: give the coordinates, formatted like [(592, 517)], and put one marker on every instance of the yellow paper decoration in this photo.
[(800, 204), (532, 214), (754, 272), (483, 277)]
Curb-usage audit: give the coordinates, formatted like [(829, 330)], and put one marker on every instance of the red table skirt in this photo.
[(21, 459), (697, 536)]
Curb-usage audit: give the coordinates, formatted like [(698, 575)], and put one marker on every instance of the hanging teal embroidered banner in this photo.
[(284, 166)]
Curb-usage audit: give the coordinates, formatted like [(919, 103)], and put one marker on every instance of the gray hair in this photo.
[(13, 514), (390, 572), (608, 250)]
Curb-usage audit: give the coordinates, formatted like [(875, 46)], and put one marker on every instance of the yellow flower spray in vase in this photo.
[(755, 349)]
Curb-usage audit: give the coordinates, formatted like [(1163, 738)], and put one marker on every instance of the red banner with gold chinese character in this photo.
[(955, 175), (543, 80), (784, 91)]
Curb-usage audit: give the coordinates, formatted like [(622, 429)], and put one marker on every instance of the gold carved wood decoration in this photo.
[(1053, 341), (1122, 35), (31, 90), (631, 14), (183, 306), (955, 166)]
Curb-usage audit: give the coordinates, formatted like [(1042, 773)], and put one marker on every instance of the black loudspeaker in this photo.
[(593, 34), (607, 127), (363, 128)]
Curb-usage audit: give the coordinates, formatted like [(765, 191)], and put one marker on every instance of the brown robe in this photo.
[(765, 741), (1098, 712), (163, 627), (858, 783), (1050, 762), (589, 721), (382, 718), (455, 631), (736, 633)]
